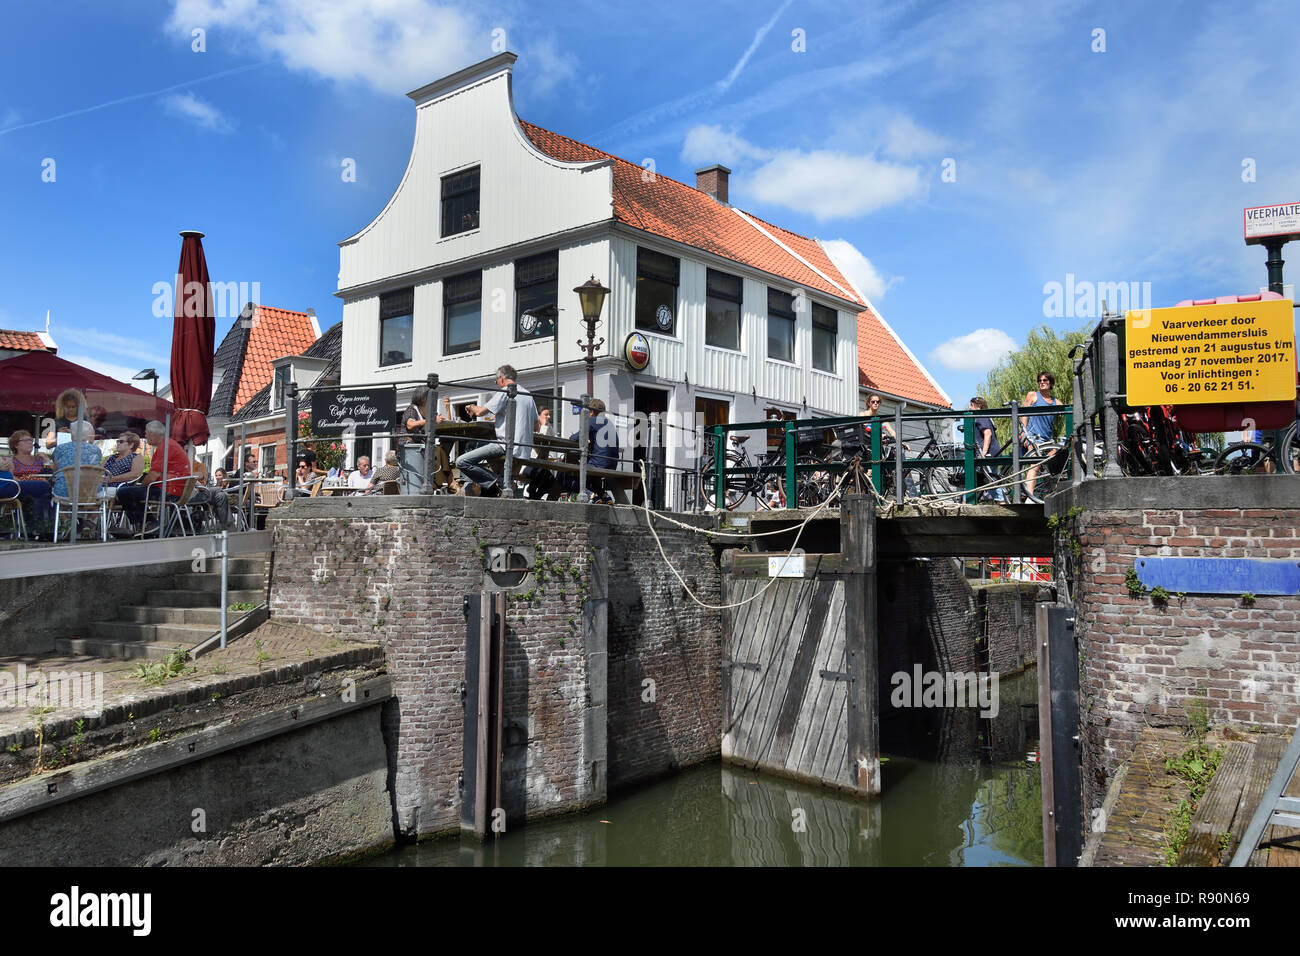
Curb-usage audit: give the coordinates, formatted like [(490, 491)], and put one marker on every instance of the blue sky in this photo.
[(1123, 156)]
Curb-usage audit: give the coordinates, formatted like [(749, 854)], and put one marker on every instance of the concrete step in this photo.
[(118, 650), (197, 598), (211, 581), (139, 632), (195, 616)]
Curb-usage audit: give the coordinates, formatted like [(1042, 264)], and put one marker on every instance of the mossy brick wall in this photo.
[(1143, 664), (399, 568)]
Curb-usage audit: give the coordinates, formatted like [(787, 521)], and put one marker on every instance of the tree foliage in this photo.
[(1017, 373)]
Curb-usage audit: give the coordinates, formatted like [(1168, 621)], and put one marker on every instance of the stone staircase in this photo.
[(186, 614)]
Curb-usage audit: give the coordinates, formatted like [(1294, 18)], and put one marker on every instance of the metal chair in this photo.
[(12, 508), (88, 501), (173, 512)]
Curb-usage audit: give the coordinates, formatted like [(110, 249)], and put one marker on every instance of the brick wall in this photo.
[(399, 568), (1142, 664), (1004, 624), (657, 633)]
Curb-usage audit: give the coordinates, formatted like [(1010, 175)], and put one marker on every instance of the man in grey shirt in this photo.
[(472, 464)]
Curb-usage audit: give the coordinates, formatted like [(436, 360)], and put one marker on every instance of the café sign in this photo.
[(358, 411)]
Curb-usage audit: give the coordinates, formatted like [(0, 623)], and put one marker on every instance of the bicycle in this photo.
[(765, 482)]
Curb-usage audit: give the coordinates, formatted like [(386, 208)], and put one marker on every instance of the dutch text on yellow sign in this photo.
[(1201, 354)]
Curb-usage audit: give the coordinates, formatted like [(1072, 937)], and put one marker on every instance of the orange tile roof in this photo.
[(883, 363), (21, 341), (275, 333), (665, 207), (674, 210)]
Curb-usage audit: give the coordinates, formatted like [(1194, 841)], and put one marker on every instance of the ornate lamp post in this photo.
[(591, 294)]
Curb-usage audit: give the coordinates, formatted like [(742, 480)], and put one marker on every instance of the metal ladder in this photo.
[(1273, 806)]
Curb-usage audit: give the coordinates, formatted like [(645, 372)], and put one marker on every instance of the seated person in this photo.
[(132, 497), (361, 477), (602, 448), (31, 471), (65, 455), (219, 478), (304, 479), (389, 471), (125, 465)]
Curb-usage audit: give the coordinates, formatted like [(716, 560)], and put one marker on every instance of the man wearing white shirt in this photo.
[(361, 477), (525, 422)]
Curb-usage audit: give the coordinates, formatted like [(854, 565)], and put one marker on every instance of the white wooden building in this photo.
[(495, 217)]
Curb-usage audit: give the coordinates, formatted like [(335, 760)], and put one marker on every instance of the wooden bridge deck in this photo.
[(953, 530)]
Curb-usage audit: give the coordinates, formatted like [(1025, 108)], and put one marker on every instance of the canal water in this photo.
[(958, 791)]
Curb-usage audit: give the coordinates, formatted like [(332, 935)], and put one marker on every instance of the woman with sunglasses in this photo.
[(887, 429), (1038, 428)]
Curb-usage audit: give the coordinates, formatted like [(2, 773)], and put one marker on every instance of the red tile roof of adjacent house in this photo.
[(21, 341), (274, 334), (883, 363), (665, 207)]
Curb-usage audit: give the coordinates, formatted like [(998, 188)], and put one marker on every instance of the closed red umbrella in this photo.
[(193, 343)]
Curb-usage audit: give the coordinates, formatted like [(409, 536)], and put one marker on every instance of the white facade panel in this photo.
[(523, 194)]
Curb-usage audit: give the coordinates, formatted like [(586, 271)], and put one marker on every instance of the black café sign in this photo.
[(358, 411)]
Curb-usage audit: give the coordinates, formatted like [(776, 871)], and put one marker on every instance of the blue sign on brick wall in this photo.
[(1221, 575)]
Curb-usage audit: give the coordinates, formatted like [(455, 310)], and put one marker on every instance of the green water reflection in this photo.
[(979, 804)]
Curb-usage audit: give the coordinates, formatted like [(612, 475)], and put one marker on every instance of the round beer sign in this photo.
[(636, 350)]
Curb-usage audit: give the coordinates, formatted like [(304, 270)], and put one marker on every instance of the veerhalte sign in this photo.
[(358, 411), (1271, 222), (1203, 354)]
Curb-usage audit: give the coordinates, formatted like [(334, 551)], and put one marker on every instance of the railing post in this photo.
[(1015, 450), (877, 425), (1110, 389), (430, 429), (1069, 449), (225, 584), (898, 455), (1089, 410), (788, 440), (1080, 416), (507, 480), (719, 467), (162, 489), (657, 468), (291, 434), (968, 439), (76, 476)]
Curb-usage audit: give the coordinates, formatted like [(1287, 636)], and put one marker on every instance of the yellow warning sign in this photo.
[(1201, 354)]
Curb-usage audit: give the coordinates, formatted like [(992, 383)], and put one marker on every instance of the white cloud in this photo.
[(391, 45), (713, 144), (858, 269), (976, 351), (906, 140), (832, 185), (136, 349), (122, 373), (201, 112)]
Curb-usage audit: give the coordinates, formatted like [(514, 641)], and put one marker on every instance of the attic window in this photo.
[(279, 382), (460, 202)]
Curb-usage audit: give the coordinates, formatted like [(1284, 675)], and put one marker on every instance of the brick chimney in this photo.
[(713, 181)]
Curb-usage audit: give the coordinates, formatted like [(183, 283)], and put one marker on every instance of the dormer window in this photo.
[(279, 385), (460, 202)]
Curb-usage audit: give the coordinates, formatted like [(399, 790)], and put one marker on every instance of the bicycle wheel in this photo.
[(944, 479), (1289, 452), (1242, 458), (737, 487), (814, 487)]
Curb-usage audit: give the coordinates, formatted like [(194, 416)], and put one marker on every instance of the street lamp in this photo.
[(147, 374), (591, 294)]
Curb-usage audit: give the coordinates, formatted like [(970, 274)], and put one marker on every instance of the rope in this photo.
[(682, 581)]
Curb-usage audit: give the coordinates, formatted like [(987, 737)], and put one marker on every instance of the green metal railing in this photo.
[(968, 462)]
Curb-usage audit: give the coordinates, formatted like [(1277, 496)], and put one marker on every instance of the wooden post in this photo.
[(858, 547)]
